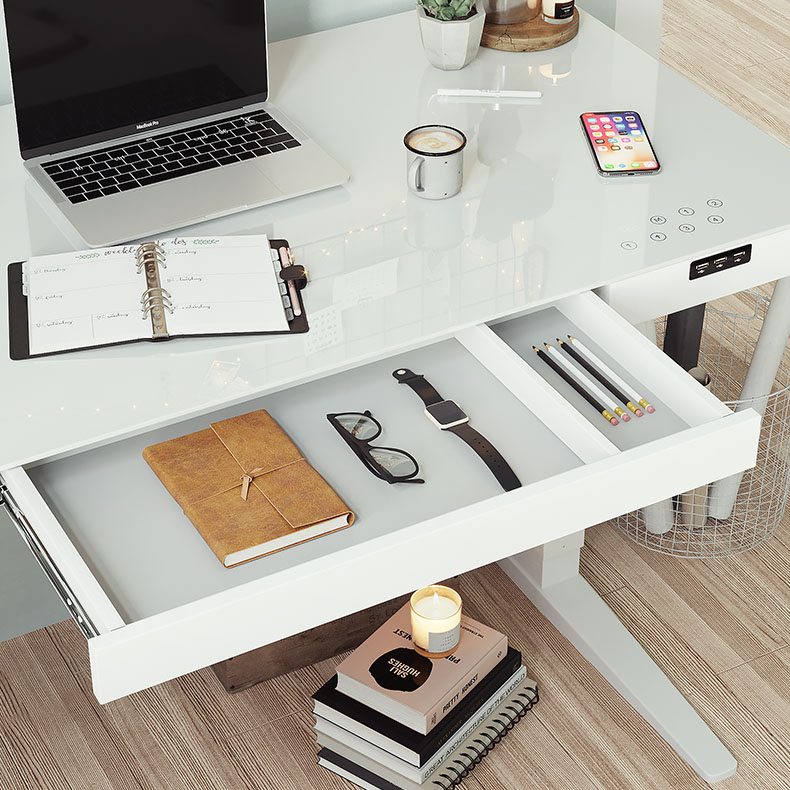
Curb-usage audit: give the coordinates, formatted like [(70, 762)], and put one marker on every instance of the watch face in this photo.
[(447, 412)]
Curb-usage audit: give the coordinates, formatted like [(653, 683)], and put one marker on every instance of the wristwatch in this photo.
[(447, 415)]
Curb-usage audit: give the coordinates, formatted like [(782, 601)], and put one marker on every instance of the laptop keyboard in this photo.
[(166, 156)]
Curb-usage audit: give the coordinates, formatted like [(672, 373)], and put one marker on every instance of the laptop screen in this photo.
[(86, 71)]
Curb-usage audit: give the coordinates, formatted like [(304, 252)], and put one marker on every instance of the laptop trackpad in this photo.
[(172, 204)]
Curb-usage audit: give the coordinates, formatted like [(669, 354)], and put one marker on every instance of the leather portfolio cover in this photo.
[(246, 488)]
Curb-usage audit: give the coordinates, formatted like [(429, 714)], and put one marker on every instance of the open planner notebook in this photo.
[(158, 290)]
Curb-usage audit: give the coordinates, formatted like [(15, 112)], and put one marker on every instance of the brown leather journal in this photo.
[(246, 488)]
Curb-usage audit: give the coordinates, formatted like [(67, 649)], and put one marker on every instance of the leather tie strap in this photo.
[(246, 481)]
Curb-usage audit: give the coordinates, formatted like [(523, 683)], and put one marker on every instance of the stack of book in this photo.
[(391, 719)]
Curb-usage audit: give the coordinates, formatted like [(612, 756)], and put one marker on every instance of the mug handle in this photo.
[(413, 176)]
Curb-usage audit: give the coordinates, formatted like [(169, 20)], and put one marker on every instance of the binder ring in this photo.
[(151, 306), (150, 252), (154, 293)]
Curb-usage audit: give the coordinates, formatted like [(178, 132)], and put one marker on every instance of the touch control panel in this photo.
[(720, 262), (681, 220)]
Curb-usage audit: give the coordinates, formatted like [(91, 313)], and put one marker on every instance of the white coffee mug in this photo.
[(434, 162)]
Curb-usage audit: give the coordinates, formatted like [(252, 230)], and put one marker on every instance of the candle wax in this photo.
[(435, 607)]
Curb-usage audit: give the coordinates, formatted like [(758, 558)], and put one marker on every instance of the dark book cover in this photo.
[(355, 770), (423, 746)]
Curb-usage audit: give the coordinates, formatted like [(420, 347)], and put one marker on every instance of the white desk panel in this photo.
[(534, 222)]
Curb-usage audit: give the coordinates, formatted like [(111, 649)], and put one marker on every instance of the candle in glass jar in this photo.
[(435, 620), (558, 12)]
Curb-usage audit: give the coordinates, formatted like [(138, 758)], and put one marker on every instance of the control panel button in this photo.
[(685, 211), (686, 228), (658, 236), (629, 245), (715, 219), (657, 219), (714, 203)]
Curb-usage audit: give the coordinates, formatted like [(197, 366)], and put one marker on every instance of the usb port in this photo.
[(720, 262)]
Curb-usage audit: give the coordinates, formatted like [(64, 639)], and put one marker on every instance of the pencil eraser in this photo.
[(639, 413), (650, 409), (625, 418), (614, 421)]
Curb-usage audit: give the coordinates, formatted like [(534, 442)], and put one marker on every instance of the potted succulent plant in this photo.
[(451, 31)]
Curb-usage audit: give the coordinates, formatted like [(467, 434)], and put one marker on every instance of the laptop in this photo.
[(142, 117)]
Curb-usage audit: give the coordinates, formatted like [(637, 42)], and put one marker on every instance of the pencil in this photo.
[(574, 354), (583, 392), (633, 394), (588, 384)]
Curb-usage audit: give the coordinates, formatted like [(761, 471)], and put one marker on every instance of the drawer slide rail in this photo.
[(62, 588)]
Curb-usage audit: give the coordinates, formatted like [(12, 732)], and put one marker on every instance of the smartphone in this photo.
[(619, 143)]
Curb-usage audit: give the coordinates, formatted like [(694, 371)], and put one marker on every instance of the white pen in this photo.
[(606, 370), (489, 93), (589, 384)]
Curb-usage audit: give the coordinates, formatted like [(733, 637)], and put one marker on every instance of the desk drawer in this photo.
[(155, 602)]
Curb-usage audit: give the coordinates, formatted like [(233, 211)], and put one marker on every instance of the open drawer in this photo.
[(156, 603)]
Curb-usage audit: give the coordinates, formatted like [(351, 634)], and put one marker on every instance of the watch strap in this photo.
[(487, 452), (492, 457), (425, 391)]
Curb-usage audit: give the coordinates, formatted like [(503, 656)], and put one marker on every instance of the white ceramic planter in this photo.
[(451, 45)]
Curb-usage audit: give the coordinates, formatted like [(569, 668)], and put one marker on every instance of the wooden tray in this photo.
[(309, 647), (532, 36)]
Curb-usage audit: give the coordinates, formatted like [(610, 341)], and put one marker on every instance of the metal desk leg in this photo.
[(759, 380), (549, 577), (683, 336)]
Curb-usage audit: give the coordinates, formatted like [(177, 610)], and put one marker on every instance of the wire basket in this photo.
[(728, 341)]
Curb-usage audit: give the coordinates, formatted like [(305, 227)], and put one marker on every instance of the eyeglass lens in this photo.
[(398, 464), (359, 425)]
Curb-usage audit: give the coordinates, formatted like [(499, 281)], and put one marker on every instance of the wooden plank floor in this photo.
[(719, 628)]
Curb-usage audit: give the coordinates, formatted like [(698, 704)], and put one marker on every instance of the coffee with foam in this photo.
[(435, 141)]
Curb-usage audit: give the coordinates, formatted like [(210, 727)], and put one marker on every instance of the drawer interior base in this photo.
[(148, 557), (548, 324)]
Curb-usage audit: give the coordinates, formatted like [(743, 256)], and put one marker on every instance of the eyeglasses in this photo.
[(358, 430)]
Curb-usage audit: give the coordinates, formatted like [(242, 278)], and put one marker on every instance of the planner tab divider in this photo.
[(155, 301)]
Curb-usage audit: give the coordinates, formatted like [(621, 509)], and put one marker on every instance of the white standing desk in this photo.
[(456, 290)]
